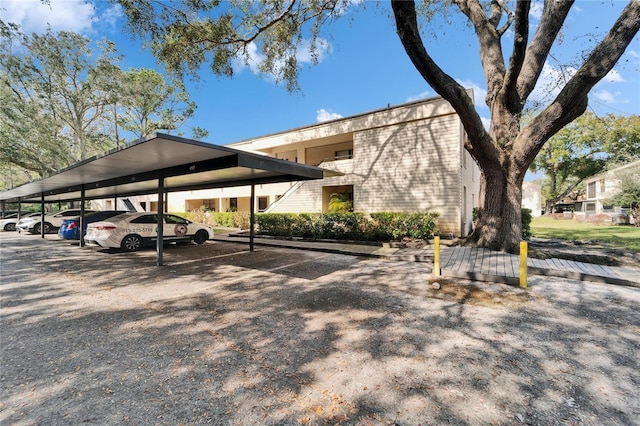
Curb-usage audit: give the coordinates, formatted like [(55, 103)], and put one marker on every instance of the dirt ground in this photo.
[(221, 335)]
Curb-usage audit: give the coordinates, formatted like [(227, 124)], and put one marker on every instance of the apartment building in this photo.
[(600, 188), (405, 158)]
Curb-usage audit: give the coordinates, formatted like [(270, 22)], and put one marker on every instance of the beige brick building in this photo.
[(406, 158)]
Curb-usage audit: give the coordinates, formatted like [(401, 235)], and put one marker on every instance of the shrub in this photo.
[(348, 226), (222, 219), (526, 224)]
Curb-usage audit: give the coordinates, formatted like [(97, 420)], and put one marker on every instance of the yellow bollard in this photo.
[(436, 256), (523, 264)]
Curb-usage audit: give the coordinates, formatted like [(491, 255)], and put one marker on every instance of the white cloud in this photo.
[(486, 121), (112, 15), (550, 82), (305, 54), (34, 16), (536, 10), (324, 115), (479, 93), (613, 77), (419, 96), (253, 58), (633, 53), (604, 96), (607, 97)]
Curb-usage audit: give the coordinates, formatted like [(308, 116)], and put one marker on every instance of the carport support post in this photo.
[(81, 230), (42, 214), (252, 217), (160, 228)]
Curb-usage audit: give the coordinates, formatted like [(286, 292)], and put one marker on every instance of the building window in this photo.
[(602, 186), (233, 204), (591, 190), (591, 207), (344, 154), (263, 203), (337, 199)]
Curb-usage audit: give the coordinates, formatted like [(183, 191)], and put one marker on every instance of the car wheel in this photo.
[(10, 227), (201, 237), (131, 242), (36, 229), (48, 227)]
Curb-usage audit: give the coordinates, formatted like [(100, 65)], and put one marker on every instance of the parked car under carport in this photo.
[(132, 231), (52, 221), (70, 228)]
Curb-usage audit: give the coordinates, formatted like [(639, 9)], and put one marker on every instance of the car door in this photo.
[(175, 227), (146, 226)]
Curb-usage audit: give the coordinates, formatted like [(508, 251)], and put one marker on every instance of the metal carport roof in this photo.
[(185, 164), (159, 164)]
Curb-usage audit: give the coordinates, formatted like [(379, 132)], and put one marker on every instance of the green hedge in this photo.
[(526, 224), (348, 226), (222, 219)]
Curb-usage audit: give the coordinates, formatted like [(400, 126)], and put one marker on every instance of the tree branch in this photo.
[(508, 93), (553, 16), (510, 18), (407, 26), (572, 100), (490, 48)]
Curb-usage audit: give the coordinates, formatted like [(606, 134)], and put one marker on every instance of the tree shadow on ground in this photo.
[(303, 338)]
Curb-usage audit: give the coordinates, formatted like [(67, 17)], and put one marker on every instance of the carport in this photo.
[(160, 164)]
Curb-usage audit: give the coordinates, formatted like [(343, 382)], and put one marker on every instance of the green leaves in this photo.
[(149, 104), (628, 193), (585, 148), (267, 36), (64, 99), (354, 226)]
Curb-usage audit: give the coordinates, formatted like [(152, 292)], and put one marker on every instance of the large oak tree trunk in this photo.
[(505, 152), (498, 226)]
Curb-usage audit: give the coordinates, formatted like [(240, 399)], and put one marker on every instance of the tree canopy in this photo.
[(64, 99), (187, 35), (628, 194), (585, 148)]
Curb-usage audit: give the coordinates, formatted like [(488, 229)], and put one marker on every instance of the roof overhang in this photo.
[(185, 164)]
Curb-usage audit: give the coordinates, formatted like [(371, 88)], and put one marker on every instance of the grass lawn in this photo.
[(619, 236)]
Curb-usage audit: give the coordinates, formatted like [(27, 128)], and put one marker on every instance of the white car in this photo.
[(132, 231), (9, 222), (52, 221)]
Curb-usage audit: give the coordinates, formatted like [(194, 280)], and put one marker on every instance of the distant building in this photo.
[(532, 198), (406, 158), (601, 188)]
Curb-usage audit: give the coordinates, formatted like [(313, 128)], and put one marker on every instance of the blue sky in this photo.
[(363, 68)]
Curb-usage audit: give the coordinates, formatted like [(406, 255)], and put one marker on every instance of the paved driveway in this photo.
[(224, 336)]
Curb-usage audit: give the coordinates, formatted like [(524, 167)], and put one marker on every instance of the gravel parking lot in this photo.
[(221, 335)]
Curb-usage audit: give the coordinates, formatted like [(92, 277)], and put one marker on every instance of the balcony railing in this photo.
[(337, 158)]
